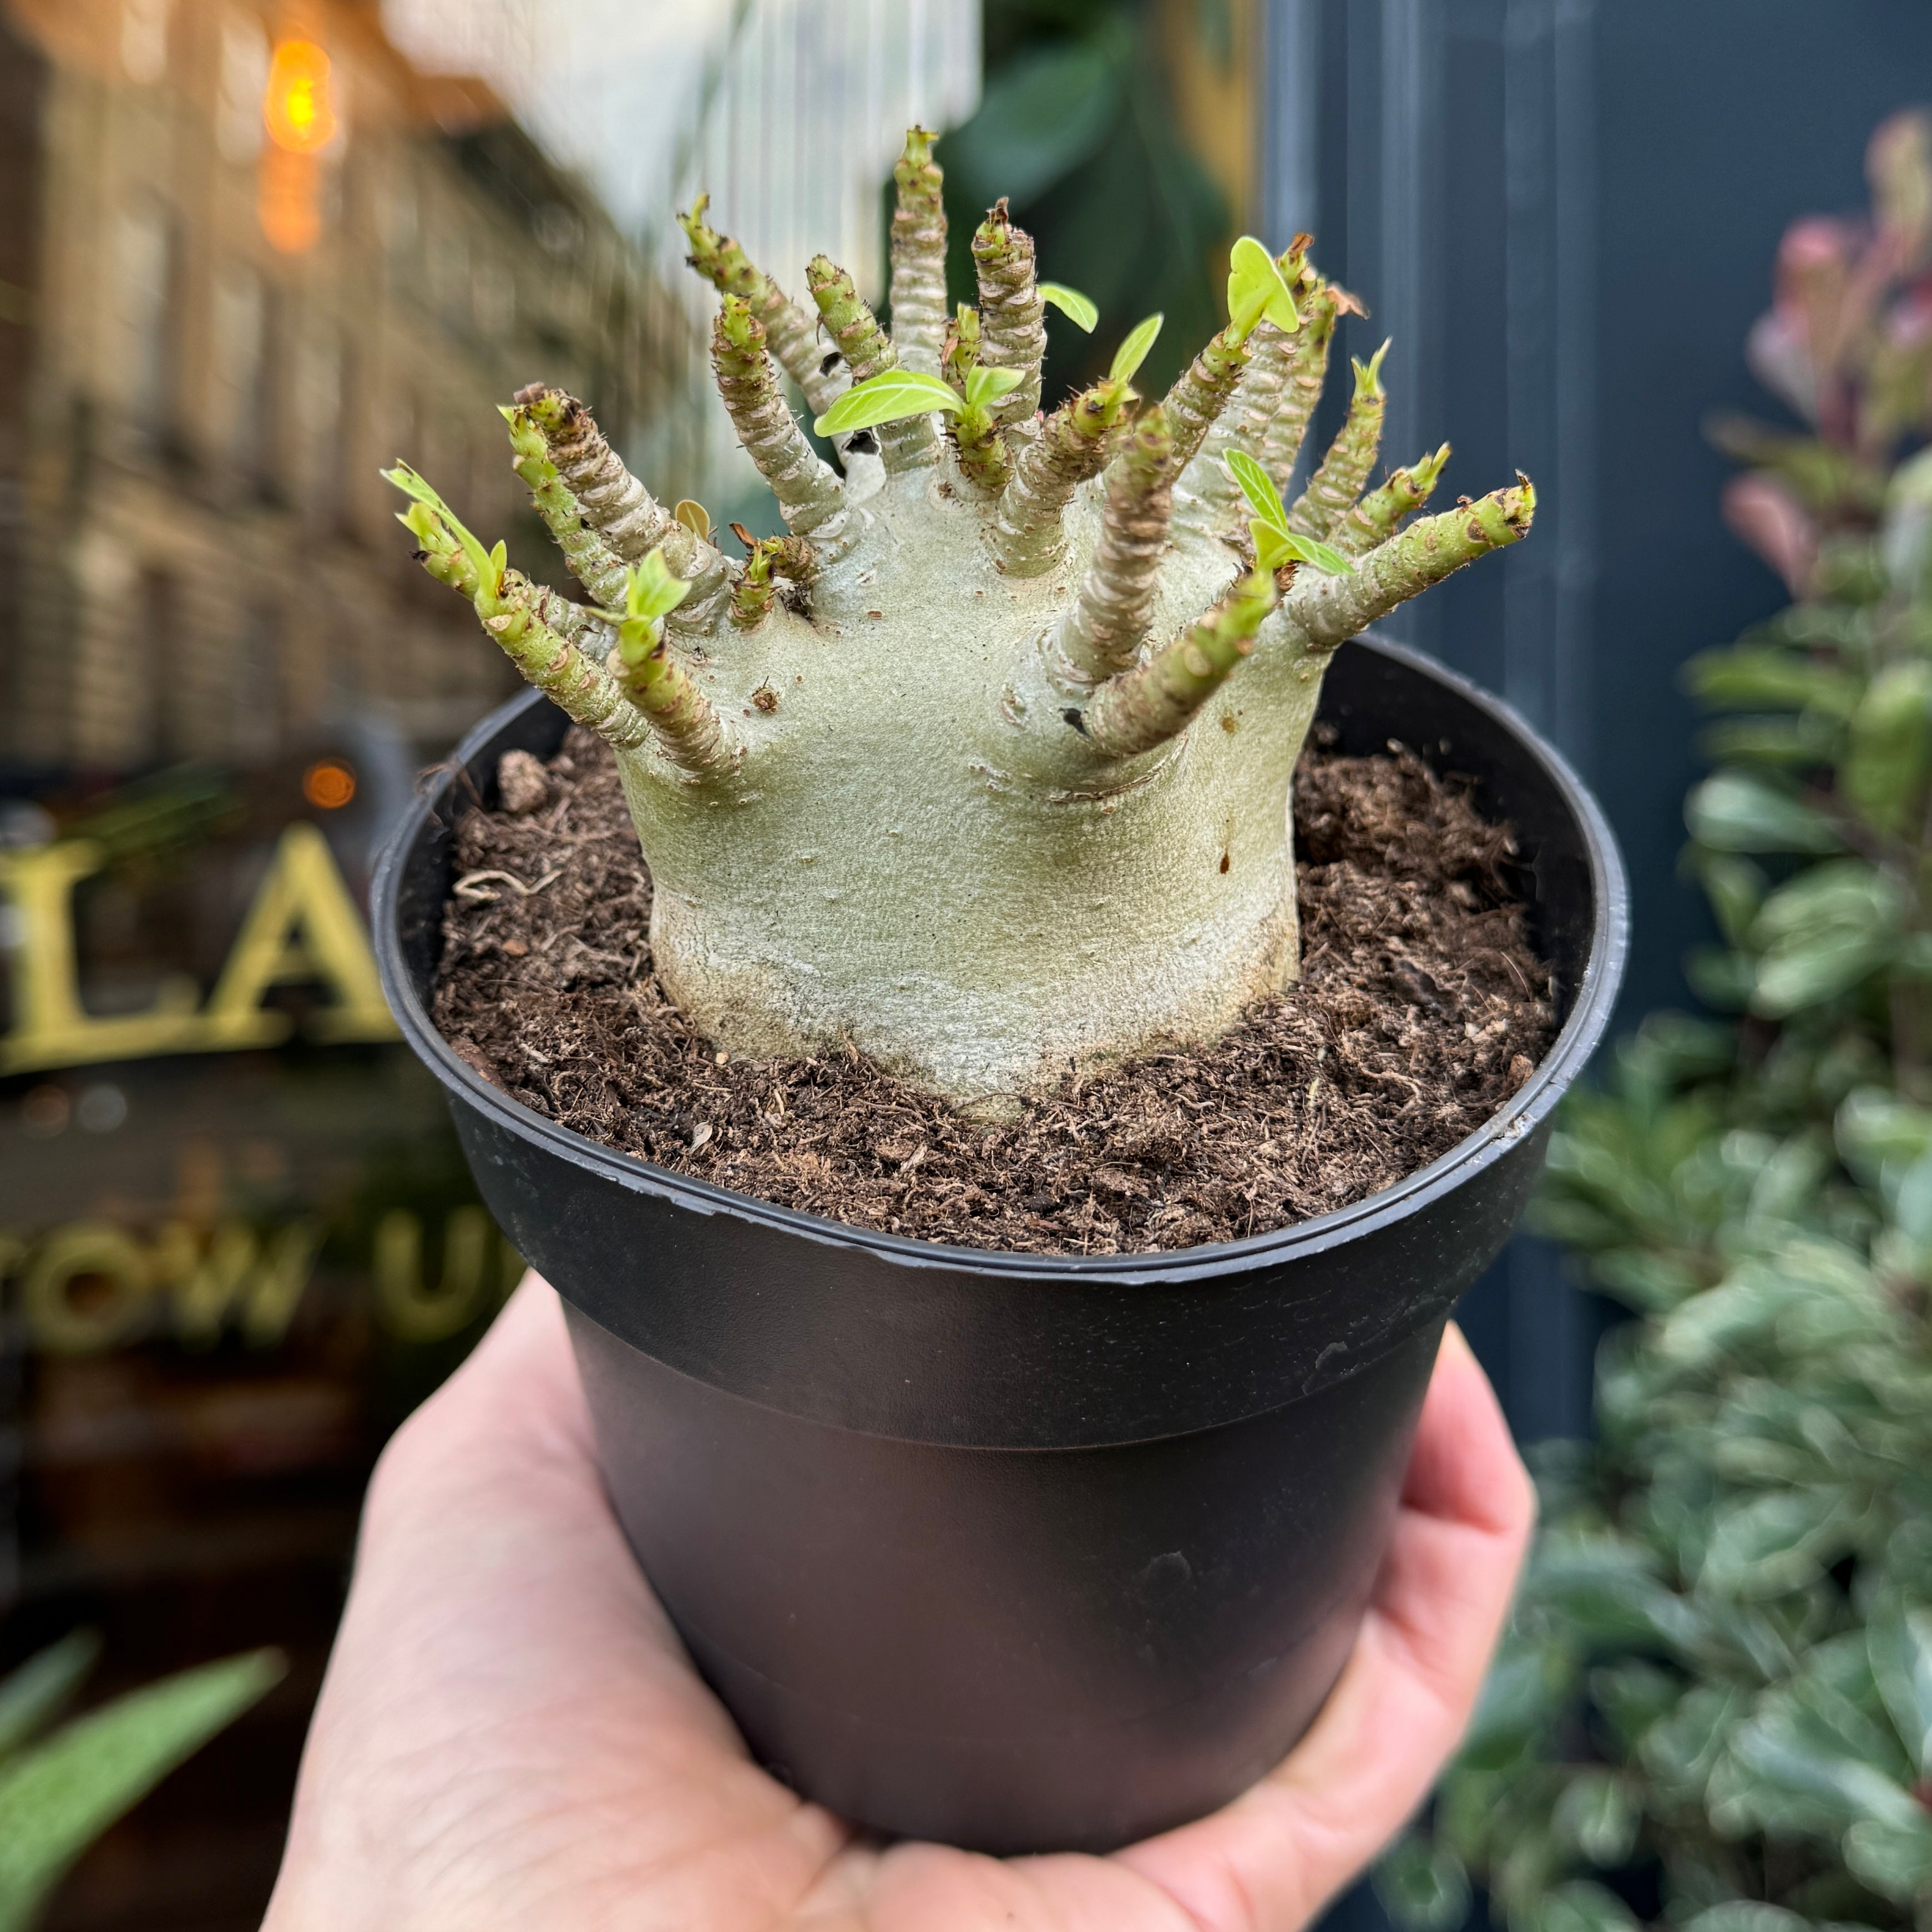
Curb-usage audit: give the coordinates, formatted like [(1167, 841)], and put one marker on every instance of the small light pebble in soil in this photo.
[(1420, 1009)]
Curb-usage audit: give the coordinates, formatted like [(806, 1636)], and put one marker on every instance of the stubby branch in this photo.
[(1332, 489), (1306, 374), (1139, 708), (919, 256), (1027, 536), (1376, 518), (1012, 318), (531, 624), (811, 499), (1102, 633), (767, 560), (792, 332), (912, 442), (1206, 495), (592, 561), (985, 460), (1202, 391), (1322, 612), (631, 520)]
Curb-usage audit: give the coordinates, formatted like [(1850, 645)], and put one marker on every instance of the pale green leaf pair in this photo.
[(488, 564), (894, 394), (1257, 289), (57, 1795), (651, 590), (1275, 543)]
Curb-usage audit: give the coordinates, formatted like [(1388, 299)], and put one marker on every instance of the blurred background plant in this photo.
[(1714, 1705), (59, 1790)]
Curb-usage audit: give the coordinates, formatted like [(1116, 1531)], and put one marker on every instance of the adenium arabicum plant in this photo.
[(954, 771)]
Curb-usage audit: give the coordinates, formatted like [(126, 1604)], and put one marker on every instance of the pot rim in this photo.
[(1525, 1111)]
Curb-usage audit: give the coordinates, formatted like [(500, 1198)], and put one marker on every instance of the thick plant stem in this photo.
[(811, 499), (530, 623), (1332, 489), (592, 561), (791, 331), (688, 730), (1376, 518), (1323, 612), (1027, 535), (1202, 392), (1101, 634), (1206, 495), (985, 460), (1302, 377), (1012, 318), (1139, 708), (631, 520), (770, 558), (919, 256), (911, 443)]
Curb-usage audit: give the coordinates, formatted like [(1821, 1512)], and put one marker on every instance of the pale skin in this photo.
[(511, 1735)]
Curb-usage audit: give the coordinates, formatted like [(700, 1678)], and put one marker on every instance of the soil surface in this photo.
[(1421, 1009)]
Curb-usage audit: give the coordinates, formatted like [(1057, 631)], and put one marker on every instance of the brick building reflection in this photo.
[(262, 255)]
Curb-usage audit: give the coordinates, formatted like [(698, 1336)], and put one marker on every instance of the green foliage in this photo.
[(1275, 543), (890, 396), (58, 1792), (1716, 1690), (1257, 288), (1134, 349), (1072, 304)]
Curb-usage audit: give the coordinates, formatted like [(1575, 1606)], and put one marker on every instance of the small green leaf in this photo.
[(489, 572), (1258, 486), (693, 516), (1821, 932), (1072, 304), (890, 396), (1256, 288), (1274, 547), (652, 590), (1132, 352), (986, 386)]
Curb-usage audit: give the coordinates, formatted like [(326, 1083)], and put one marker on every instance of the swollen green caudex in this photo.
[(933, 773)]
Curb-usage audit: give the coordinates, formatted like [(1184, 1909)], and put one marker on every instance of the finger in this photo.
[(1268, 1861)]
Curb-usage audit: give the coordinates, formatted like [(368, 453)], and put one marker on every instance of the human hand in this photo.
[(511, 1735)]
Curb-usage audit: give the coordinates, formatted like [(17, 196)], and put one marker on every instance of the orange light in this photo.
[(328, 785), (288, 199), (295, 106)]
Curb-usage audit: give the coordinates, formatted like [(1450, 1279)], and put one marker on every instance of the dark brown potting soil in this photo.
[(1420, 1009)]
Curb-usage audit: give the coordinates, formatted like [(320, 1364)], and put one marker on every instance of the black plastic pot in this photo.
[(1020, 1553)]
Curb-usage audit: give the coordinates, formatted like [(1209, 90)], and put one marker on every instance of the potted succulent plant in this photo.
[(1022, 1550)]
